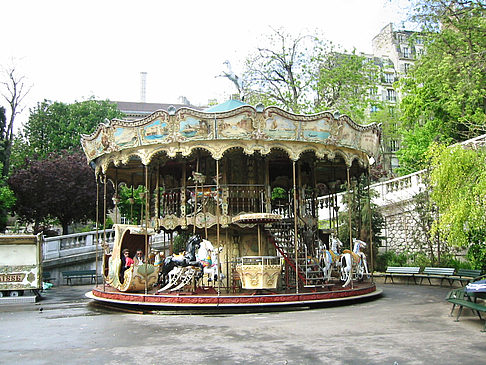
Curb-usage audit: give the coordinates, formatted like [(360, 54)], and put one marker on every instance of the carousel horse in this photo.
[(331, 258), (207, 255), (353, 259), (187, 258)]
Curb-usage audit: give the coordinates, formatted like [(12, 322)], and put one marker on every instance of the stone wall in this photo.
[(402, 229)]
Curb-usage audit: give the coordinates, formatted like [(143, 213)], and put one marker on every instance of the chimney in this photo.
[(143, 86)]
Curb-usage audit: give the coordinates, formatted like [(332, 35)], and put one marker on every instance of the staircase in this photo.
[(309, 272)]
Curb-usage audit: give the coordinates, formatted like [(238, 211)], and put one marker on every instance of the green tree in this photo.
[(56, 126), (280, 74), (445, 92), (356, 201), (305, 74), (458, 180), (343, 81), (131, 201)]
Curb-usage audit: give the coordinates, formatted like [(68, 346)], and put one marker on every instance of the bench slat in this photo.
[(439, 270), (402, 270), (405, 271)]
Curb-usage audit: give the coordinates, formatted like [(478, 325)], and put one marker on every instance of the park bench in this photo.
[(408, 272), (442, 273), (466, 275), (460, 298), (46, 277), (79, 274)]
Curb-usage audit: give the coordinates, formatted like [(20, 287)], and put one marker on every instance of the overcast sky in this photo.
[(71, 50)]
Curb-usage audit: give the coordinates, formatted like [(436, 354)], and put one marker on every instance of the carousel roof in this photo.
[(226, 106), (180, 132)]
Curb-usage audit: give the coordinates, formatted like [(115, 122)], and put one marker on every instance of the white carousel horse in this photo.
[(331, 257), (207, 255), (353, 259)]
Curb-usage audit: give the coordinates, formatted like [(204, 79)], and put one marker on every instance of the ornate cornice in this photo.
[(186, 130)]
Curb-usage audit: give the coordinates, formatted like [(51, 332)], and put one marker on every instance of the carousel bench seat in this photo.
[(407, 272), (79, 274)]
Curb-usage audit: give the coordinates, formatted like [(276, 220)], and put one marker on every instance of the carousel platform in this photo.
[(251, 299)]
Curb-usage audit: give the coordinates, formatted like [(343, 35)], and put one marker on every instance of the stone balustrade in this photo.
[(74, 244), (82, 243), (398, 190)]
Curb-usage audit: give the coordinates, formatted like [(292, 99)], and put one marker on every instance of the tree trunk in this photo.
[(65, 226)]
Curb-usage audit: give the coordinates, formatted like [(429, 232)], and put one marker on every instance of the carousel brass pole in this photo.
[(157, 197), (226, 245), (371, 225), (350, 232), (116, 196), (259, 240), (147, 192), (104, 218), (171, 244), (204, 213), (195, 197), (97, 219), (217, 223), (184, 192), (296, 243)]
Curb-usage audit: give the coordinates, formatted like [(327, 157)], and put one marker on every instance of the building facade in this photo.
[(394, 52)]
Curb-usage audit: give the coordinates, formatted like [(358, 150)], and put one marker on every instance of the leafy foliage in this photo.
[(305, 74), (445, 91), (61, 187), (180, 241), (56, 126), (131, 201), (476, 254), (390, 258), (356, 202), (458, 182)]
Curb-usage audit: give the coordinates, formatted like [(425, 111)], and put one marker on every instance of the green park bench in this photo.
[(407, 272), (46, 277), (442, 273), (466, 276), (79, 274), (458, 297)]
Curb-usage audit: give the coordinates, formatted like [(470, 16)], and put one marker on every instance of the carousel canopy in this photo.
[(226, 106), (253, 130)]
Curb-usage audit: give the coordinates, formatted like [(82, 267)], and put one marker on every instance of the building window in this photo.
[(389, 78), (391, 111), (406, 52), (406, 68), (374, 109), (391, 95), (394, 146)]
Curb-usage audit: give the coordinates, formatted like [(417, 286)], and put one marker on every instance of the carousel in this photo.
[(245, 186)]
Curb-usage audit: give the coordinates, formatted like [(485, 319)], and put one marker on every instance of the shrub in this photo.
[(476, 254), (390, 258)]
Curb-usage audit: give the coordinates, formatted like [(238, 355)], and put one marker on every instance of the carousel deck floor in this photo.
[(209, 298)]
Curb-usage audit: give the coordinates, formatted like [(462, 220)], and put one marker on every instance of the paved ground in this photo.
[(408, 325)]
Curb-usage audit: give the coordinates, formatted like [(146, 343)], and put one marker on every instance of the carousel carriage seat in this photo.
[(136, 278)]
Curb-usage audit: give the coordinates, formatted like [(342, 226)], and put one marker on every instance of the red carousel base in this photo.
[(211, 299)]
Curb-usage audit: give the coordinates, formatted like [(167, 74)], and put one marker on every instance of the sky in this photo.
[(72, 50)]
